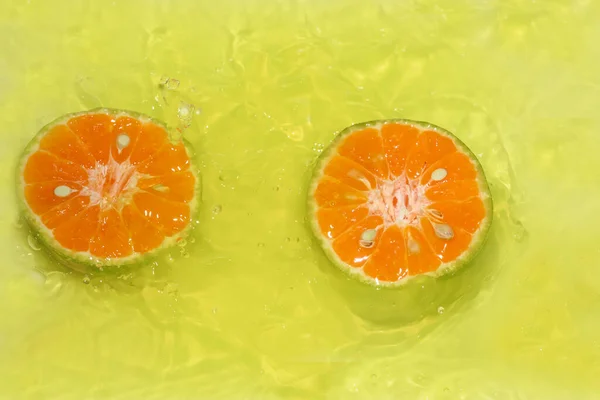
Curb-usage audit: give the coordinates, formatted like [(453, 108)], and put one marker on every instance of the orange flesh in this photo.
[(108, 198), (396, 201)]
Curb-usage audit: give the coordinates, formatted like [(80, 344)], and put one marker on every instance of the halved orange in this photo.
[(395, 199), (107, 187)]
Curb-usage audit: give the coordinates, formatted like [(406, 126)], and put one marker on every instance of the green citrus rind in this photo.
[(479, 238), (83, 261)]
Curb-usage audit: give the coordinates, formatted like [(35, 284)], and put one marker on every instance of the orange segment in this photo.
[(64, 144), (132, 129), (429, 148), (458, 167), (111, 238), (45, 167), (398, 140), (466, 214), (331, 193), (94, 130), (388, 261), (76, 233), (170, 217), (170, 159), (65, 211), (144, 235), (366, 148), (446, 249), (334, 221), (457, 190), (177, 187), (420, 258), (107, 187), (347, 245), (418, 210), (41, 197), (350, 173), (155, 137)]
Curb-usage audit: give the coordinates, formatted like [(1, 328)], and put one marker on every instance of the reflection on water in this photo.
[(248, 307)]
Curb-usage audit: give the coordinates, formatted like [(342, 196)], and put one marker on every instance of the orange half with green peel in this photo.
[(107, 187), (395, 199)]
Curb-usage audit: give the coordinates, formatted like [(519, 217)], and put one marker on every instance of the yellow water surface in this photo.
[(250, 308)]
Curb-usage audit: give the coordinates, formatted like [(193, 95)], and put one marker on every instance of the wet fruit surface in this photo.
[(107, 184), (397, 199)]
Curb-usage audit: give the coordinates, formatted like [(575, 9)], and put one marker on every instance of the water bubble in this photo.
[(172, 83), (440, 310), (38, 276), (33, 243), (520, 231), (185, 111), (18, 223), (86, 280), (217, 209), (261, 244), (55, 281), (215, 310)]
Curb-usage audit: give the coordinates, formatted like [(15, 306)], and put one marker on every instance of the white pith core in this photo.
[(111, 185), (397, 202)]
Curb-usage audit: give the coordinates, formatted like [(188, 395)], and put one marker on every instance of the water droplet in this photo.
[(86, 280), (261, 244), (214, 310), (217, 209), (185, 111), (172, 83), (440, 310), (38, 276), (33, 243)]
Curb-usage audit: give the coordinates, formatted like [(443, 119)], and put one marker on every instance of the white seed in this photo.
[(437, 214), (439, 174), (62, 191), (368, 235), (413, 245), (443, 231), (122, 141), (160, 188), (367, 244), (358, 176)]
